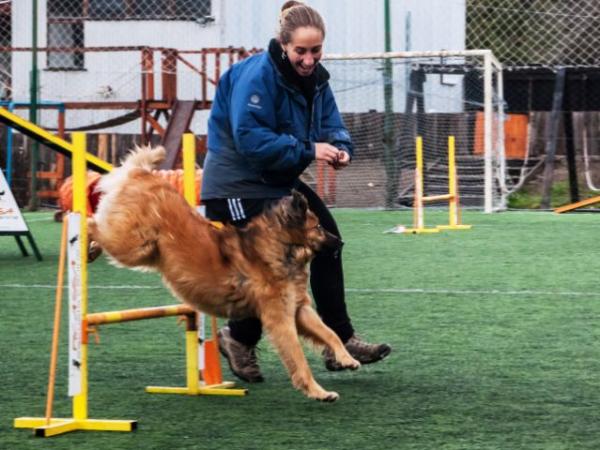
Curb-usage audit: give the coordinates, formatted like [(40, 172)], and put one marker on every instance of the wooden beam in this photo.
[(580, 204)]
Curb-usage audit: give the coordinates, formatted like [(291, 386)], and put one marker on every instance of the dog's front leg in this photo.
[(312, 327), (94, 249), (281, 328)]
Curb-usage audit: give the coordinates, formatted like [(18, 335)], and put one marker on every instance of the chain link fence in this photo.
[(547, 33), (131, 55)]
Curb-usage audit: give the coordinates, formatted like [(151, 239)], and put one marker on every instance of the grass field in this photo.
[(495, 335)]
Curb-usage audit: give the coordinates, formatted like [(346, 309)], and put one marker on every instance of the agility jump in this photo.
[(451, 197), (199, 358)]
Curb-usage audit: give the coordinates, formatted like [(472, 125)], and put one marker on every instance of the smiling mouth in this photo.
[(306, 69)]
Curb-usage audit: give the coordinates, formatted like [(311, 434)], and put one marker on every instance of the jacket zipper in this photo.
[(312, 113)]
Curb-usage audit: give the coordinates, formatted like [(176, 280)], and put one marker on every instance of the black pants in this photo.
[(326, 273)]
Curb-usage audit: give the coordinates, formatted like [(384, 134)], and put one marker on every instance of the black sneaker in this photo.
[(241, 358), (363, 352)]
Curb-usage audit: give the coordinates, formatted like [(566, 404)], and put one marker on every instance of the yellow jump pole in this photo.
[(418, 212), (193, 386), (452, 182), (80, 401), (418, 219), (189, 169), (191, 332), (453, 202)]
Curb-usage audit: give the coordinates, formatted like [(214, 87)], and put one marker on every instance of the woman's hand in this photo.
[(332, 155), (326, 152), (342, 161)]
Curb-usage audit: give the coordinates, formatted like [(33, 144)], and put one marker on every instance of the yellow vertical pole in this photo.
[(453, 200), (191, 334), (418, 210), (80, 401), (418, 213), (189, 169), (191, 356), (452, 205)]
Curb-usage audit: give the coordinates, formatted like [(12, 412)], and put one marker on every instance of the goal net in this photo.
[(389, 99)]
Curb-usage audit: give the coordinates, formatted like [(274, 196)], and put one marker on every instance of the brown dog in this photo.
[(260, 270)]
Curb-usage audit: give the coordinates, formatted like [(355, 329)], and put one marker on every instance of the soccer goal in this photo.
[(387, 99)]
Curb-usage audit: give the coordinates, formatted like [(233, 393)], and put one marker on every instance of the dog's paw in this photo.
[(349, 363), (94, 250), (328, 397)]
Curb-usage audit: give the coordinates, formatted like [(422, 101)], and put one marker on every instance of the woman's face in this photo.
[(305, 50)]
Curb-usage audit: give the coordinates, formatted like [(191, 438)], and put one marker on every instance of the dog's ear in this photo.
[(299, 201), (294, 210)]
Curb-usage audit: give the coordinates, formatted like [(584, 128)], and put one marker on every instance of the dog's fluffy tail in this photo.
[(144, 158)]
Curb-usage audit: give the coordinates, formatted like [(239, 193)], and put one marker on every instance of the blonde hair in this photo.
[(294, 15)]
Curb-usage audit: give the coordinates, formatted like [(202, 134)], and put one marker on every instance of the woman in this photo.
[(273, 114)]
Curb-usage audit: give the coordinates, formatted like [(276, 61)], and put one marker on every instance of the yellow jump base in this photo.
[(224, 388), (420, 230), (59, 426), (454, 227)]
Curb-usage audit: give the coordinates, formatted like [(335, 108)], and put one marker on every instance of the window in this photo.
[(5, 56), (67, 35), (66, 22), (148, 9), (65, 30)]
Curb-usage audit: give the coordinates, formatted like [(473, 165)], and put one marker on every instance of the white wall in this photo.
[(352, 26)]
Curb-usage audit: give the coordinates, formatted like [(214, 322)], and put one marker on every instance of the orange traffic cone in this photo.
[(212, 374)]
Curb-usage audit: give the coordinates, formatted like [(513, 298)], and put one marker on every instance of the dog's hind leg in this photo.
[(312, 327), (283, 334)]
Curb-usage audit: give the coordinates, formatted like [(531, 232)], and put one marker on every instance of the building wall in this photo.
[(353, 26)]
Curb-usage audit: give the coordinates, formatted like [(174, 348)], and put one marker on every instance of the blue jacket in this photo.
[(261, 134)]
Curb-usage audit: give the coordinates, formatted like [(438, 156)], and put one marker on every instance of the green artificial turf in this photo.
[(495, 335)]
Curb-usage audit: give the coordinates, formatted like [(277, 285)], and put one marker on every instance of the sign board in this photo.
[(75, 326), (11, 219)]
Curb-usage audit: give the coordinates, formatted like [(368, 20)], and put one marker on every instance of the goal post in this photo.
[(434, 94)]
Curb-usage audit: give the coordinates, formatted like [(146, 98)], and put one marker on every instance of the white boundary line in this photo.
[(495, 292), (50, 286), (39, 219), (509, 293)]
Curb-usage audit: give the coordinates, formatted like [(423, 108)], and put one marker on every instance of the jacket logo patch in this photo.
[(254, 101)]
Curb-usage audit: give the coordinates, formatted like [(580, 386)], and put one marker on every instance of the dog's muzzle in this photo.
[(331, 241)]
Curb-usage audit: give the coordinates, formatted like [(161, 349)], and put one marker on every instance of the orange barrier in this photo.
[(515, 135), (174, 177)]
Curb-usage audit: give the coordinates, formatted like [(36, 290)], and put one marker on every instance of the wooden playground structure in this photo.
[(158, 97)]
